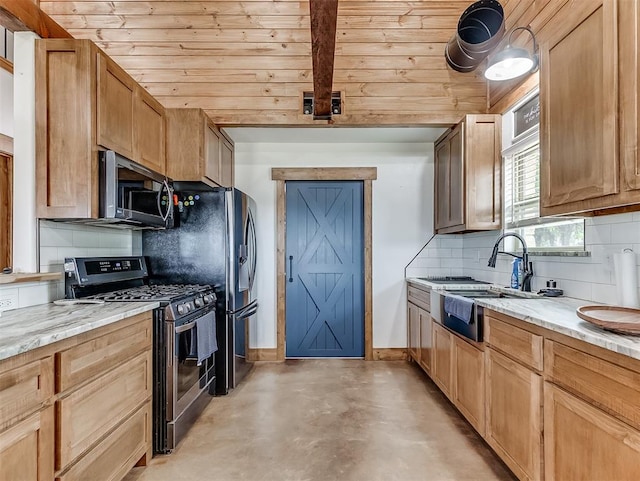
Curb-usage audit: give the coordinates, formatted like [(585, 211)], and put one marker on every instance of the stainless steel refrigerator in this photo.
[(213, 242)]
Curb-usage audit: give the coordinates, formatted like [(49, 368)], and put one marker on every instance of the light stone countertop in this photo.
[(557, 314), (28, 328)]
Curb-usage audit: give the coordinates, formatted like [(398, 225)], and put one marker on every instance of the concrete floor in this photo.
[(346, 420)]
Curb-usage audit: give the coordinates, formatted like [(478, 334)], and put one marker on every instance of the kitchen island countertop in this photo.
[(28, 328)]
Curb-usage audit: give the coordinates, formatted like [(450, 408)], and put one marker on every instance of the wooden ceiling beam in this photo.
[(25, 15), (324, 22)]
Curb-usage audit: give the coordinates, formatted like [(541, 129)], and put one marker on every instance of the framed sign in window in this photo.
[(526, 116)]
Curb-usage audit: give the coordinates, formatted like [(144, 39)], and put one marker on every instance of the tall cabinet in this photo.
[(468, 179)]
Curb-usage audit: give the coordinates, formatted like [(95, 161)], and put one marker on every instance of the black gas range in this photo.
[(184, 335)]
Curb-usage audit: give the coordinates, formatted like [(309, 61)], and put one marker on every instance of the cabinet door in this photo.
[(441, 361), (468, 382), (483, 170), (150, 132), (26, 449), (413, 331), (578, 86), (457, 186), (66, 161), (629, 74), (226, 163), (514, 415), (441, 161), (582, 442), (212, 154), (116, 97), (426, 340)]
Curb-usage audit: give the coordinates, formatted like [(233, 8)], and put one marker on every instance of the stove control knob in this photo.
[(199, 302), (181, 309), (207, 299)]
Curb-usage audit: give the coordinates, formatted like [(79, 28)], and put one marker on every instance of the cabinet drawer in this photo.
[(99, 355), (114, 457), (25, 389), (517, 343), (613, 388), (93, 410), (419, 297)]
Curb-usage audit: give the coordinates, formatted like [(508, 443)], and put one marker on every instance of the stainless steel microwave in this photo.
[(133, 195)]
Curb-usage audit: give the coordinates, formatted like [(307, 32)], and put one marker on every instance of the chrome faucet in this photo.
[(527, 267)]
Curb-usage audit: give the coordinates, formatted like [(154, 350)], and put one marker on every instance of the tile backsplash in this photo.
[(590, 278), (59, 240)]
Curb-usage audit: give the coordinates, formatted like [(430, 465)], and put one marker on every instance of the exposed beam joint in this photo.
[(25, 15), (324, 20)]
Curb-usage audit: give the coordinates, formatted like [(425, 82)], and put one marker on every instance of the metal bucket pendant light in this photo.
[(513, 62)]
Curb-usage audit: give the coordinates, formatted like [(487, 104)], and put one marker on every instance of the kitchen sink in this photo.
[(486, 294), (473, 329)]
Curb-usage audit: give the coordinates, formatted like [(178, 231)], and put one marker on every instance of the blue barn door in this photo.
[(325, 272)]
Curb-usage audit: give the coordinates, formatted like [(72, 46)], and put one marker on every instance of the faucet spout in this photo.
[(527, 267)]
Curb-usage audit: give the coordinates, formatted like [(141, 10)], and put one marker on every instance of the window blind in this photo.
[(522, 187)]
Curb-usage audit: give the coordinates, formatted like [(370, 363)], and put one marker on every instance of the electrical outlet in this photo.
[(8, 302)]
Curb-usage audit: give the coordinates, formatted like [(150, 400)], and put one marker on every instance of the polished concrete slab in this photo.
[(346, 420)]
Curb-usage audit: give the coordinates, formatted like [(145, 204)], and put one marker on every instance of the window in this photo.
[(521, 160), (6, 49)]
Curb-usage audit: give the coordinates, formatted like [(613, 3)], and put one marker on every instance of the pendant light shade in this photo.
[(513, 62)]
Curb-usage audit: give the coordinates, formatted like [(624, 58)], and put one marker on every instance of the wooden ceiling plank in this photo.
[(365, 118), (324, 16), (183, 21), (297, 76), (175, 8), (206, 48), (192, 34), (25, 15)]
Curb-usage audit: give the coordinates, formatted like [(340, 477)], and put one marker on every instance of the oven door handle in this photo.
[(186, 327)]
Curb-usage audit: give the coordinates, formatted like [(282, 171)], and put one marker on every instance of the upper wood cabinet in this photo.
[(86, 103), (197, 150), (589, 100), (116, 98), (468, 185)]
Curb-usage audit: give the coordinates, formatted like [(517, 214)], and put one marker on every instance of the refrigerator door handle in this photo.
[(243, 309), (247, 313)]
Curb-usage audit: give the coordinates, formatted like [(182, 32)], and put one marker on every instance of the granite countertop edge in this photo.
[(29, 328), (555, 314)]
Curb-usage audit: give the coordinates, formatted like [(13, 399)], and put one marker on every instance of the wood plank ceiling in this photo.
[(248, 62)]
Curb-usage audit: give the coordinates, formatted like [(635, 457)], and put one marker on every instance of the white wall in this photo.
[(402, 220), (591, 278)]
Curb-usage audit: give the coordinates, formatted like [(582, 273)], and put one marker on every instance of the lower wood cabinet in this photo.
[(26, 449), (514, 415), (94, 422), (584, 443), (426, 339), (441, 360), (90, 412), (114, 457), (468, 382), (413, 331)]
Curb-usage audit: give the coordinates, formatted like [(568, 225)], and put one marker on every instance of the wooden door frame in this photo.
[(365, 174)]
